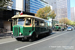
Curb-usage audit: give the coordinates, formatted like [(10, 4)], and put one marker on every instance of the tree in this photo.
[(74, 23), (52, 14), (45, 12), (65, 21)]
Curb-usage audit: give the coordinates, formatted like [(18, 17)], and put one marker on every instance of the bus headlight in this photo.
[(12, 33), (20, 33)]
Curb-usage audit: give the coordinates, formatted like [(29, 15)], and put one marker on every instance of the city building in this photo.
[(61, 8), (26, 6), (73, 14)]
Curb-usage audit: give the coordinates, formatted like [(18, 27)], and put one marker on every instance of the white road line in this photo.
[(40, 41)]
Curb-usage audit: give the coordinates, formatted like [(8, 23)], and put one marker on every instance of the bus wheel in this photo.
[(32, 38), (18, 39), (50, 31)]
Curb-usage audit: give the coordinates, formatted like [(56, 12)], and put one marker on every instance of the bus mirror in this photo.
[(9, 19)]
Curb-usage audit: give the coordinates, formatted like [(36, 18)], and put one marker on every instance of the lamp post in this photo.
[(52, 23), (64, 22)]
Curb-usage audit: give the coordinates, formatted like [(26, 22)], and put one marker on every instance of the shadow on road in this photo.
[(40, 37)]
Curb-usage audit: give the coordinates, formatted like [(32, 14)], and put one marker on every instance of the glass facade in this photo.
[(33, 6), (69, 9), (29, 6)]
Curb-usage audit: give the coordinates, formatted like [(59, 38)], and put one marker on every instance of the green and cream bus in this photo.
[(29, 27), (59, 27)]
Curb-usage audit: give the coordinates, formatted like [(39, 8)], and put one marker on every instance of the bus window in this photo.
[(42, 23), (36, 22), (46, 24), (21, 21), (14, 21), (28, 21)]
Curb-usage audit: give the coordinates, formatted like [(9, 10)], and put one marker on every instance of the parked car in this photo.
[(69, 28), (74, 28)]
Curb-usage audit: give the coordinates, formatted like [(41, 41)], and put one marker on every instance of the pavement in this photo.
[(5, 35)]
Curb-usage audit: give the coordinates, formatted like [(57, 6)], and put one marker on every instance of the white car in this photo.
[(69, 28)]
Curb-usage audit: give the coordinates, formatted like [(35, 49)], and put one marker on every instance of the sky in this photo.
[(72, 3)]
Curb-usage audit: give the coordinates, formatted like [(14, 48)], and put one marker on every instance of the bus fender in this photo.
[(31, 33)]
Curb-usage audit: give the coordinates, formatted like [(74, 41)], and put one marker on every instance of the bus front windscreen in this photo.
[(15, 21), (20, 21)]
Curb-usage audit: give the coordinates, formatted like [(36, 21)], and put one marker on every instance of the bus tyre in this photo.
[(37, 36), (50, 31), (18, 39), (32, 38)]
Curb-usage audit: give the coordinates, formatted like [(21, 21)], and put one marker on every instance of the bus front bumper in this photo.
[(25, 37)]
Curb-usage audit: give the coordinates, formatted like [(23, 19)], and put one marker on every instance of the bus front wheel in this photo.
[(50, 31), (18, 39), (32, 38)]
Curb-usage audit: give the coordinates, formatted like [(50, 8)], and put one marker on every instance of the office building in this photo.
[(73, 14), (28, 6), (61, 8)]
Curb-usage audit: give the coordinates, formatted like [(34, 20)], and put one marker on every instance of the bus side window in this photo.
[(46, 24), (36, 22), (42, 23)]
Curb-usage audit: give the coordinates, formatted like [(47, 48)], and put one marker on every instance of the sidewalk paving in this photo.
[(5, 35)]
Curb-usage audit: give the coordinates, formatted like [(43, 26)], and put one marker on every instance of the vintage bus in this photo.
[(29, 27), (59, 27)]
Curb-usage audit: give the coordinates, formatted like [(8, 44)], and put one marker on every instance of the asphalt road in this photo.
[(59, 40)]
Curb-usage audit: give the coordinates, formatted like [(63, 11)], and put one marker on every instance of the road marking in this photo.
[(40, 41), (8, 42)]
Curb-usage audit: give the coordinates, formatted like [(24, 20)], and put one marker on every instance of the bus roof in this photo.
[(19, 16)]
